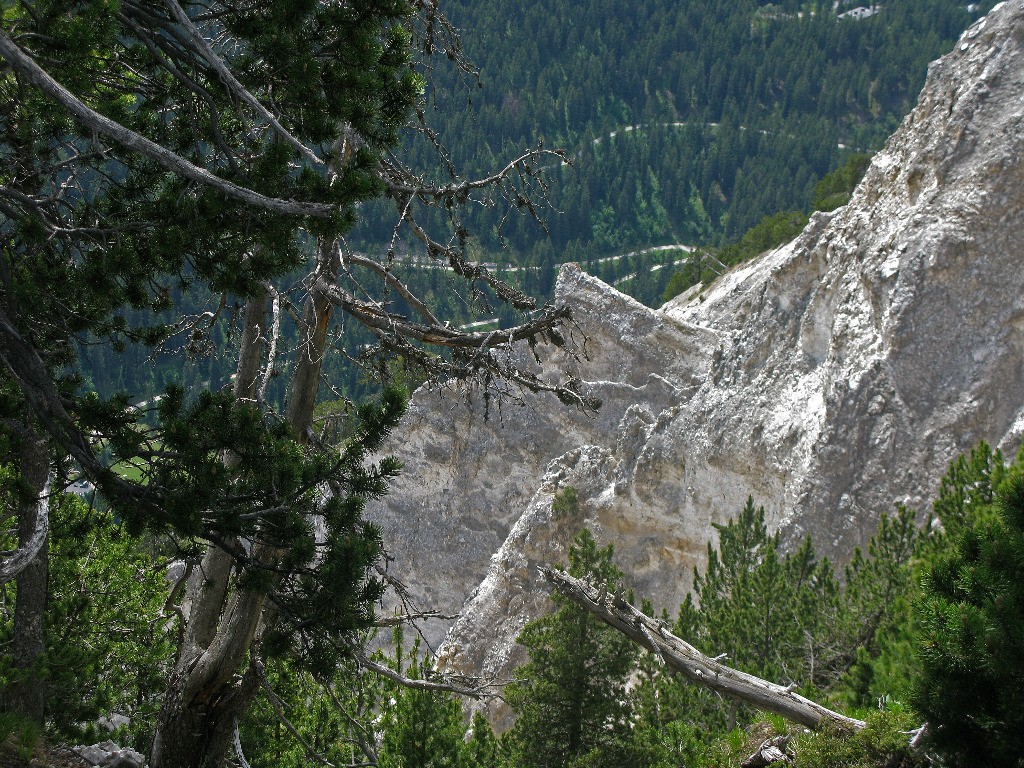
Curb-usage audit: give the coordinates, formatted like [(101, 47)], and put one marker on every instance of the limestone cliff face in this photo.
[(829, 379)]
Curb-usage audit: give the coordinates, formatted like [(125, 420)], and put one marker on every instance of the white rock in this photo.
[(107, 754), (92, 754), (828, 379)]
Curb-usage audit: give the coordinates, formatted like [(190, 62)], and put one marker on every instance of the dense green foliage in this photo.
[(570, 699), (785, 618), (308, 716), (782, 617), (100, 245), (972, 626), (691, 124), (173, 194), (788, 618), (766, 611), (882, 744), (835, 188), (352, 716), (570, 74), (110, 634), (422, 729), (684, 125)]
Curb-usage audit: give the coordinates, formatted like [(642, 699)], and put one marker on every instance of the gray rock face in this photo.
[(471, 469), (828, 379)]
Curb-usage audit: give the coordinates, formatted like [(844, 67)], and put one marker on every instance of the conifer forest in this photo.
[(234, 239)]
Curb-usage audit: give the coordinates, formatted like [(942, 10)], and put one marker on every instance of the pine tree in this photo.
[(109, 638), (870, 639), (423, 728), (482, 749), (668, 723), (971, 612), (750, 595), (768, 613), (570, 698), (967, 491), (156, 151)]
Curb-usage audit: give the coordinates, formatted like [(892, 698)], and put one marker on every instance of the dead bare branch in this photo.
[(238, 748), (275, 335), (373, 315), (482, 690), (394, 282), (410, 618), (691, 663)]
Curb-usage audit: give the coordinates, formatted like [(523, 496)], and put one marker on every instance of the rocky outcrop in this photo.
[(471, 468), (107, 754), (828, 379)]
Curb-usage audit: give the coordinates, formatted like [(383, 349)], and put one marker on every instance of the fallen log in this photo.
[(682, 657)]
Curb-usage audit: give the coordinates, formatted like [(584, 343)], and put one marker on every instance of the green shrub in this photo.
[(971, 689), (884, 743)]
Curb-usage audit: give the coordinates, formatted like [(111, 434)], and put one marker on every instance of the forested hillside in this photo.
[(683, 123), (224, 226), (686, 122)]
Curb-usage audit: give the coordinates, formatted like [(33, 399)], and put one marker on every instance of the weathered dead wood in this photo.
[(691, 663), (771, 752), (34, 537)]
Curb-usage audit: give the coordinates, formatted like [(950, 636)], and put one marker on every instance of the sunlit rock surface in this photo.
[(828, 379)]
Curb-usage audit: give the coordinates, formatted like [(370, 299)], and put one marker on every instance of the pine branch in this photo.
[(26, 66), (224, 72)]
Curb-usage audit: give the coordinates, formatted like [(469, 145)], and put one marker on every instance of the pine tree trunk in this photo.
[(207, 691), (194, 732), (26, 696), (316, 318), (196, 721)]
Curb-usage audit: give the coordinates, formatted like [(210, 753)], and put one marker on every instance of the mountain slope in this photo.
[(828, 379)]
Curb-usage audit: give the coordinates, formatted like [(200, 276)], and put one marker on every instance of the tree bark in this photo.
[(207, 691), (30, 542), (26, 695), (316, 318), (204, 693), (682, 657)]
